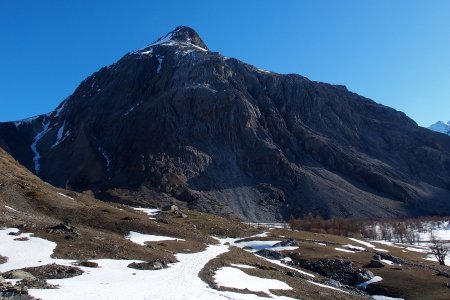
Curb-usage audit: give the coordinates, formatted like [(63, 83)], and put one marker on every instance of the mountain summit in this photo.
[(176, 122), (183, 35), (441, 127)]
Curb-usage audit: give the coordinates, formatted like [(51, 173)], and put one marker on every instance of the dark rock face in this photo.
[(177, 121)]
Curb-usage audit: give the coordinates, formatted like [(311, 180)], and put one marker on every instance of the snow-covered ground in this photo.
[(377, 297), (65, 196), (260, 245), (151, 212), (113, 280), (439, 230), (235, 278), (373, 280), (22, 254), (140, 238)]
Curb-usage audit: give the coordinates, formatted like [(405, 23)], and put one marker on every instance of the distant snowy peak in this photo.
[(182, 35), (441, 127)]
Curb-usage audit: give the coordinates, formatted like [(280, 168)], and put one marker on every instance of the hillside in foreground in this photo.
[(59, 244)]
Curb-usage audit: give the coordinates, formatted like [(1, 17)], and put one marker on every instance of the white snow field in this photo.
[(376, 297), (113, 280), (22, 254), (140, 238), (256, 245), (369, 245), (151, 212), (344, 250), (373, 280), (235, 278), (354, 248)]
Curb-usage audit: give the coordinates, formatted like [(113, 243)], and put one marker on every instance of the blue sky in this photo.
[(394, 52)]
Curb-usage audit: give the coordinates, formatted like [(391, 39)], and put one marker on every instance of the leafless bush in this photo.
[(439, 249)]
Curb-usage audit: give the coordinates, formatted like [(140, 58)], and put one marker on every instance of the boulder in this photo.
[(270, 254), (19, 274), (375, 264), (51, 271), (156, 264), (364, 275), (376, 257), (334, 283)]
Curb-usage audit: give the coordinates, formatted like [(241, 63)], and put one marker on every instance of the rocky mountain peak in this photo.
[(176, 122), (441, 127), (183, 34)]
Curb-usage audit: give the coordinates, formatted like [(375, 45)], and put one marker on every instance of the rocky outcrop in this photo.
[(151, 265), (176, 121)]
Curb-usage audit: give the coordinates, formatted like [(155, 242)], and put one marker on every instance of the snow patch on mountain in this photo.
[(60, 109), (61, 136), (25, 121), (105, 156), (441, 127), (160, 59), (174, 38), (37, 138)]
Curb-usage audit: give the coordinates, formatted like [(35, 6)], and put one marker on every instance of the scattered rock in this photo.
[(63, 228), (364, 275), (290, 273), (377, 257), (333, 283), (22, 239), (336, 269), (14, 233), (18, 274), (443, 273), (171, 208), (151, 265), (88, 264), (375, 264), (51, 271), (270, 254), (12, 292), (174, 209), (394, 259), (36, 284), (287, 243), (3, 259)]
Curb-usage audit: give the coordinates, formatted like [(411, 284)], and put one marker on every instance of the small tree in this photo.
[(439, 249)]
